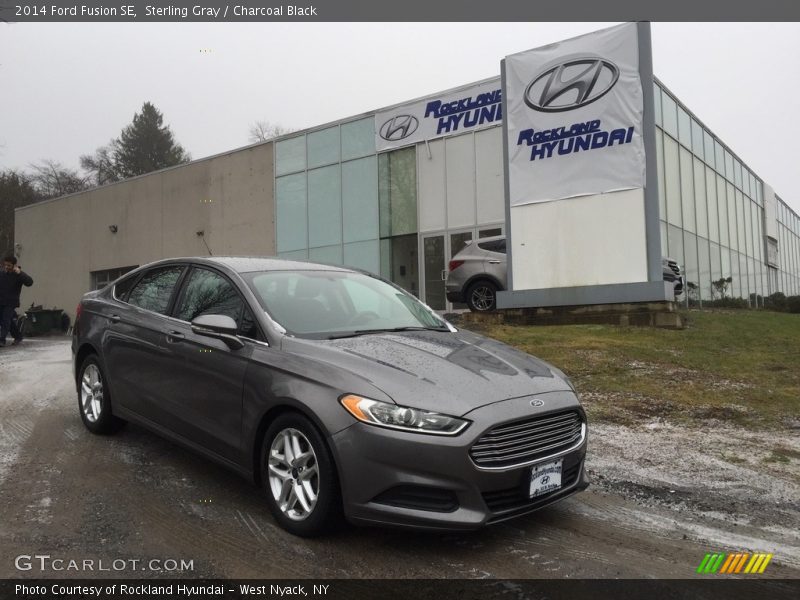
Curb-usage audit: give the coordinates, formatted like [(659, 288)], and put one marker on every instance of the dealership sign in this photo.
[(465, 109), (575, 117)]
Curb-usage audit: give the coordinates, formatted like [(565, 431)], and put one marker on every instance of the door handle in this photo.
[(114, 318), (173, 337), (494, 262)]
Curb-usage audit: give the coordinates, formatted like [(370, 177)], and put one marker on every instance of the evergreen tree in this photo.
[(144, 146), (16, 190)]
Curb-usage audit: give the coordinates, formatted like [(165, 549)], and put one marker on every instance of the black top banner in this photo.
[(399, 10)]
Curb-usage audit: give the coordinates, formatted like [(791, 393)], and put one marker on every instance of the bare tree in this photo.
[(51, 179), (261, 131), (101, 164)]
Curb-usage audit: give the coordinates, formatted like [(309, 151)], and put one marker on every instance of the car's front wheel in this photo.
[(299, 477), (94, 400), (482, 296)]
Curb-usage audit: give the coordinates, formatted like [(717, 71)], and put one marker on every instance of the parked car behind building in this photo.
[(479, 271)]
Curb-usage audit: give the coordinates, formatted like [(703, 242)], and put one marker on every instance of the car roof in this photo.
[(249, 264)]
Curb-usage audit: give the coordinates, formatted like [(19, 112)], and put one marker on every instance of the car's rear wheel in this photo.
[(482, 296), (299, 477), (94, 400)]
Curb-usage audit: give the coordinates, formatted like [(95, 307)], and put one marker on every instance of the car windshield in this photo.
[(334, 304)]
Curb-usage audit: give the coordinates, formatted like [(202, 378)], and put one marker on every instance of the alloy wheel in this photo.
[(293, 474), (92, 393)]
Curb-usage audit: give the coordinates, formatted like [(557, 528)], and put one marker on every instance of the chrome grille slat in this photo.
[(525, 435), (560, 444), (528, 423), (527, 440), (568, 435)]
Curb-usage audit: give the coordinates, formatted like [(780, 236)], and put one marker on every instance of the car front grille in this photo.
[(674, 266), (524, 441)]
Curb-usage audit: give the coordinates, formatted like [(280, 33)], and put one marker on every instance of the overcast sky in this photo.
[(69, 88)]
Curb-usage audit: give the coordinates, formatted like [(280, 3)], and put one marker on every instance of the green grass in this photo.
[(741, 366)]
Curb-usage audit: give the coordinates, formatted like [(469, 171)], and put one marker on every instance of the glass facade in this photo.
[(712, 212), (340, 201)]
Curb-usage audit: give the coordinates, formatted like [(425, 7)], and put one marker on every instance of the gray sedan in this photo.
[(337, 392)]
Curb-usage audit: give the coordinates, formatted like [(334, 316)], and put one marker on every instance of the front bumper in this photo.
[(377, 463)]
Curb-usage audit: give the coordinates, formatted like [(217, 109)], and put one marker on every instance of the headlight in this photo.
[(393, 416)]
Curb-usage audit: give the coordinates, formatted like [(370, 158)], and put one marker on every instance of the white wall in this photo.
[(589, 240)]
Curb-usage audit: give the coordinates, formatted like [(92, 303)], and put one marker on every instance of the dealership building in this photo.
[(400, 190)]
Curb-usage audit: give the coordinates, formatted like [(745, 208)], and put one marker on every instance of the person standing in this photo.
[(12, 278)]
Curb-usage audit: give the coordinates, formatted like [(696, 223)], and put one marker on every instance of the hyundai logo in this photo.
[(398, 128), (537, 402), (571, 84)]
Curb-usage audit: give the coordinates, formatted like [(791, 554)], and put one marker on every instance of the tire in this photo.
[(482, 296), (290, 486), (95, 411)]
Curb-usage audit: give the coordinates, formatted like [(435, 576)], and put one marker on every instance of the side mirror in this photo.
[(220, 327)]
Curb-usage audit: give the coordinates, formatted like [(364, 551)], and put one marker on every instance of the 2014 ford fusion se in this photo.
[(337, 392)]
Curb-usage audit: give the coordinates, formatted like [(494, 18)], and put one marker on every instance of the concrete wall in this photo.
[(229, 197)]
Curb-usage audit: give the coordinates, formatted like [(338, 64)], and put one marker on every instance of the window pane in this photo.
[(657, 103), (729, 166), (670, 115), (207, 293), (673, 182), (722, 204), (687, 190), (154, 290), (330, 255), (684, 128), (290, 155), (704, 267), (358, 138), (713, 208), (291, 212), (700, 197), (732, 230), (697, 138), (691, 268), (363, 255), (397, 179), (662, 190), (360, 199), (719, 157), (737, 173), (323, 147), (716, 272), (708, 148), (324, 207), (664, 239), (676, 244)]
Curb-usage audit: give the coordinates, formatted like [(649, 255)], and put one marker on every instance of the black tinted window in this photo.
[(154, 289), (494, 246), (207, 293), (122, 288)]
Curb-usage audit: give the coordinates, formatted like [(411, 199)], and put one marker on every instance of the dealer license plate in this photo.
[(545, 478)]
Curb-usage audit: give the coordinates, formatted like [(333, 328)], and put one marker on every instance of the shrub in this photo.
[(793, 304)]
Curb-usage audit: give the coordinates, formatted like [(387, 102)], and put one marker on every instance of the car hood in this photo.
[(447, 372)]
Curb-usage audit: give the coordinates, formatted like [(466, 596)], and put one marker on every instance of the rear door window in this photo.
[(154, 290), (494, 246)]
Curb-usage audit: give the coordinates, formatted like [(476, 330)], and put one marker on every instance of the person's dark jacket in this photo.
[(11, 286)]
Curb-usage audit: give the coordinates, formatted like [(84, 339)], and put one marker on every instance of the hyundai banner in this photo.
[(465, 109), (575, 117)]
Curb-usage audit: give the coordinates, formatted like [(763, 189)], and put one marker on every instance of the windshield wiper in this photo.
[(349, 334)]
